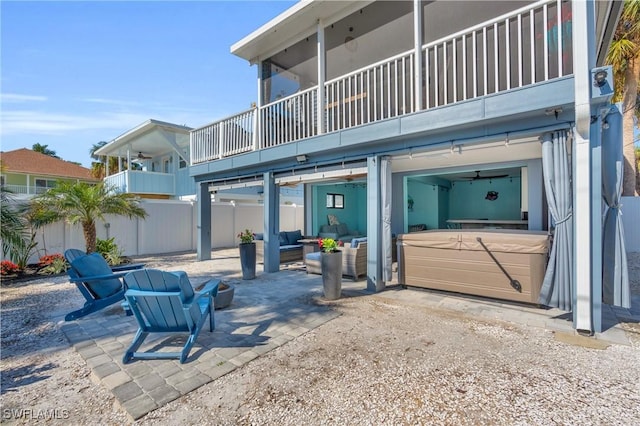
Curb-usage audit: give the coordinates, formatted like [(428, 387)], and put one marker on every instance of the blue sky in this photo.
[(76, 73)]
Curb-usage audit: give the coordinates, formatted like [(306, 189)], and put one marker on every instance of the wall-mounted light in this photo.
[(600, 77), (301, 158), (506, 140)]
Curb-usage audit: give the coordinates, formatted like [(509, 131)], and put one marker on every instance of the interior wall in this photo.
[(467, 199), (354, 213)]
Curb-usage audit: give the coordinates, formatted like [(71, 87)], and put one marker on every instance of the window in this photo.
[(335, 201), (182, 164), (43, 184)]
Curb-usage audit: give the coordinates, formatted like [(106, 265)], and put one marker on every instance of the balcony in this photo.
[(142, 182), (525, 47)]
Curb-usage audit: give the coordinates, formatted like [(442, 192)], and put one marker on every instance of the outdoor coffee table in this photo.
[(309, 245)]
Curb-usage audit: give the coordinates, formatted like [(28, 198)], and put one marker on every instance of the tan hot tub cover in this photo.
[(454, 260)]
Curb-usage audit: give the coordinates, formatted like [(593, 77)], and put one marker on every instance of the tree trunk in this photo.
[(632, 75), (89, 230)]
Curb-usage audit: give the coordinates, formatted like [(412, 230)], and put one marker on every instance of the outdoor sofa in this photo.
[(290, 248)]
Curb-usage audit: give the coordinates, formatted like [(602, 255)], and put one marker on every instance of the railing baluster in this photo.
[(464, 67), (545, 42), (533, 46), (507, 59), (427, 84), (436, 72), (520, 64), (485, 60), (445, 78), (475, 66), (559, 29), (496, 64)]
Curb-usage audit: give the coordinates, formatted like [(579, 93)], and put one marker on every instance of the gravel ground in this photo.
[(380, 362)]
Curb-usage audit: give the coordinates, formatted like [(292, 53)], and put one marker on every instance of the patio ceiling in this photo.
[(472, 157)]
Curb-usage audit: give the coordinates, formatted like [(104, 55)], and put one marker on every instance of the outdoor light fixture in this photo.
[(600, 78), (301, 158), (506, 140)]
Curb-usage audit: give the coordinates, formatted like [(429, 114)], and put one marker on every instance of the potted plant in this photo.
[(247, 254), (331, 267)]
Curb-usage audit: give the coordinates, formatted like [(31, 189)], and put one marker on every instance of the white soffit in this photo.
[(322, 175), (292, 25), (469, 155), (223, 186)]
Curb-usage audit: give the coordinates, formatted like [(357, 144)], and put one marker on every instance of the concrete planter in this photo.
[(248, 260), (224, 297), (331, 266)]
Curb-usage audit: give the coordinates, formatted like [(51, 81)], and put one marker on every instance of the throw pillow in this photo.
[(333, 219)]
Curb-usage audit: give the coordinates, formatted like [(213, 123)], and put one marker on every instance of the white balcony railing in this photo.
[(524, 47), (25, 190), (142, 182), (231, 136)]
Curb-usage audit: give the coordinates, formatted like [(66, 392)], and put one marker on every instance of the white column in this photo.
[(256, 118), (583, 28), (321, 78)]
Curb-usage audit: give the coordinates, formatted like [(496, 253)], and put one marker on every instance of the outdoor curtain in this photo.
[(615, 275), (385, 189), (557, 286)]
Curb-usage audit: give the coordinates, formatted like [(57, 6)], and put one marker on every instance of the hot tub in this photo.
[(454, 260)]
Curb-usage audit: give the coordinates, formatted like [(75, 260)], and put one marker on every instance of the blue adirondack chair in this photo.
[(166, 302), (99, 283)]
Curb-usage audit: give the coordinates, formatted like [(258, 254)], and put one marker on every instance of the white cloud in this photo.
[(106, 101), (18, 98), (37, 122)]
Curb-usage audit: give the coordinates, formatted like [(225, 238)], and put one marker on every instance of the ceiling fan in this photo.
[(478, 177), (141, 156)]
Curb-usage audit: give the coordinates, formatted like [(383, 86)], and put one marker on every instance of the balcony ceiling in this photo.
[(148, 138), (290, 26)]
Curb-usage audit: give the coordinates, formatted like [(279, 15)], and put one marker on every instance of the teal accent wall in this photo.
[(467, 199), (354, 213), (430, 201)]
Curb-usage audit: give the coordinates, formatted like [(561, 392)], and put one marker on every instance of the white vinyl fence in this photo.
[(631, 222), (170, 227)]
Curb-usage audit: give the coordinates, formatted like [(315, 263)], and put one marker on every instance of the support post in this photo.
[(271, 224), (374, 220), (586, 219), (204, 222)]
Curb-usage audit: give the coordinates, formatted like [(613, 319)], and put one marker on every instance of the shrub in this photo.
[(57, 265), (49, 259), (109, 250), (53, 264), (7, 267)]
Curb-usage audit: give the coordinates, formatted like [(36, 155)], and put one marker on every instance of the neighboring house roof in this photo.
[(26, 161)]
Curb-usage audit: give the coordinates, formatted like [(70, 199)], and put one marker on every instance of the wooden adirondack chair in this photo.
[(100, 285), (166, 302)]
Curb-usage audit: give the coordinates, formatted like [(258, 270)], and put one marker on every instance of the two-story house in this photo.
[(27, 173), (402, 115)]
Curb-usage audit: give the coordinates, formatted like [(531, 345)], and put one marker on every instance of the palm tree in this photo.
[(12, 226), (624, 55), (83, 203), (44, 149), (97, 167)]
